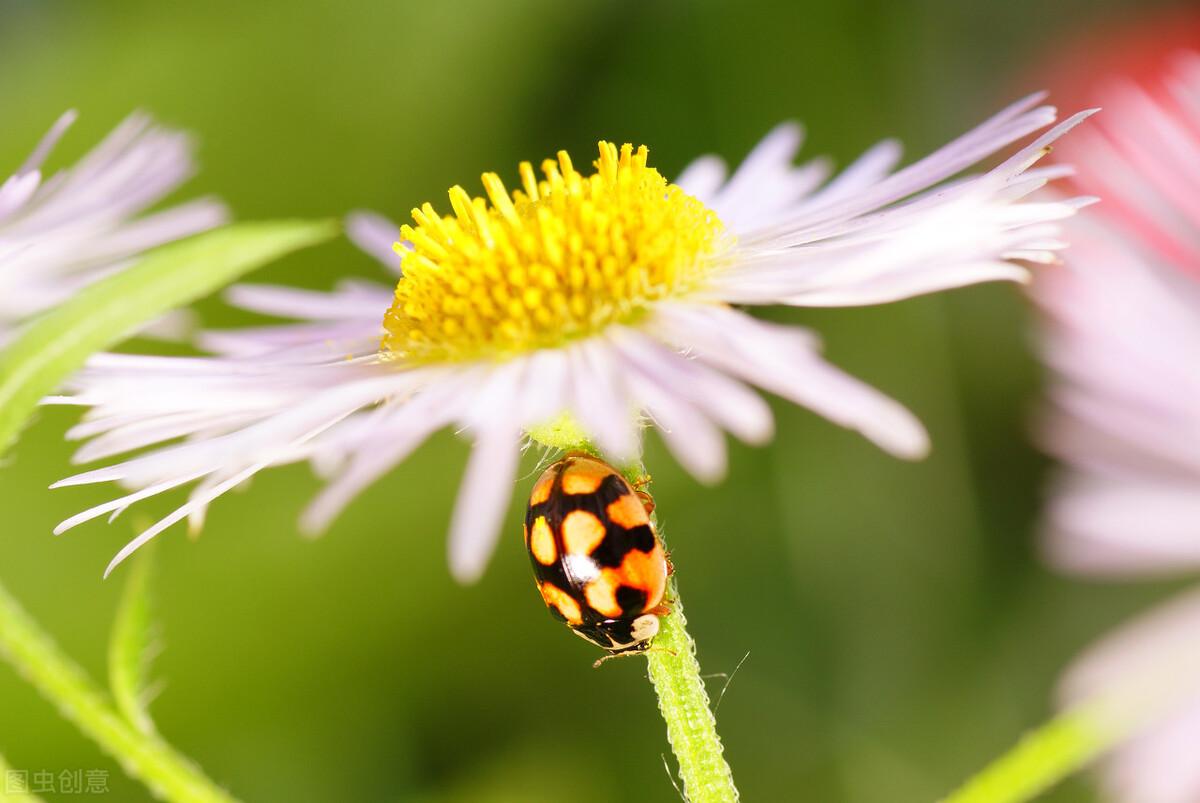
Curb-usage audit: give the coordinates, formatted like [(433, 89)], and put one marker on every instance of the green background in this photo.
[(900, 630)]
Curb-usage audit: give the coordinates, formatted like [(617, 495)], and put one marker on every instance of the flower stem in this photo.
[(683, 701), (1091, 727), (148, 759), (1065, 744), (673, 668)]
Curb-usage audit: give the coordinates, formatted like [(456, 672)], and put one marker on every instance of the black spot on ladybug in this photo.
[(632, 600), (619, 542)]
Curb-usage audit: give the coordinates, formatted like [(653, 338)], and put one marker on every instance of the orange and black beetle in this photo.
[(596, 557)]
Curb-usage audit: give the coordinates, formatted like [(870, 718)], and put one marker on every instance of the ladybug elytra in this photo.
[(596, 556)]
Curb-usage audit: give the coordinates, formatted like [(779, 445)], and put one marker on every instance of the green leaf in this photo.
[(60, 341), (132, 645)]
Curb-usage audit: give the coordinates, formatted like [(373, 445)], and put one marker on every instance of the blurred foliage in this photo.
[(900, 629)]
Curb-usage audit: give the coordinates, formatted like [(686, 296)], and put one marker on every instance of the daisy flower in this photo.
[(60, 233), (1121, 336), (611, 295)]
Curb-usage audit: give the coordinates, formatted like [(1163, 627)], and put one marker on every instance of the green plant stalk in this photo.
[(673, 668), (151, 761), (1065, 744), (683, 702)]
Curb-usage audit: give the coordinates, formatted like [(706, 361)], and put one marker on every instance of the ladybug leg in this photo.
[(639, 487), (630, 654), (671, 653), (670, 565), (662, 609), (599, 662)]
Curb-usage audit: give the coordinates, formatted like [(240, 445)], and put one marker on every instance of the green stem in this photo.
[(1065, 744), (1081, 734), (683, 701), (39, 660), (674, 670)]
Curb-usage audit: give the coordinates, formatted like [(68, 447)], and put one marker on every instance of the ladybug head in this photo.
[(620, 635)]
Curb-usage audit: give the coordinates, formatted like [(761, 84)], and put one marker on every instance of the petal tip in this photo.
[(465, 569)]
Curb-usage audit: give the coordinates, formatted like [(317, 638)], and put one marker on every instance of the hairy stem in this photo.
[(683, 701), (148, 759)]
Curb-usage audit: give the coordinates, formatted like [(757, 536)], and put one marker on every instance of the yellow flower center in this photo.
[(562, 260)]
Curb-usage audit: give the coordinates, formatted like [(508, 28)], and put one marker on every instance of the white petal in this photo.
[(907, 285), (393, 433), (80, 225), (1008, 126), (228, 443), (34, 162), (871, 238), (600, 400), (783, 360), (873, 166), (375, 235), (546, 391), (728, 402), (181, 513), (124, 501), (766, 186), (296, 342), (771, 156), (483, 498), (696, 443), (350, 301), (703, 177), (16, 191), (142, 432)]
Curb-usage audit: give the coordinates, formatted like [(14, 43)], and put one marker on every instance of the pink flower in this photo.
[(61, 232), (1121, 336)]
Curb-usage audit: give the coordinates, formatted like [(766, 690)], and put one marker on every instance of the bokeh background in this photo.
[(899, 628)]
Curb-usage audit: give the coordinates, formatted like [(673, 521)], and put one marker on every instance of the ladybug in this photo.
[(596, 558)]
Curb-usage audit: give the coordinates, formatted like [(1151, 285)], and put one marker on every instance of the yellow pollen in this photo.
[(557, 261)]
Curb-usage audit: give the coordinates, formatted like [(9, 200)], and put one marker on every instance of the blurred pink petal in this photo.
[(1121, 337), (65, 231), (1150, 664)]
